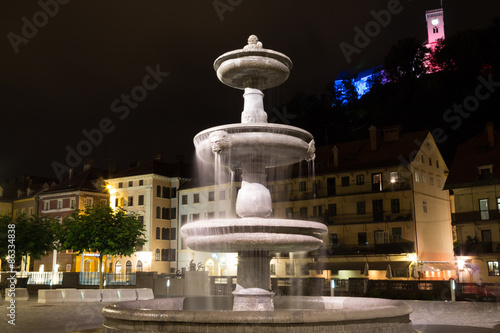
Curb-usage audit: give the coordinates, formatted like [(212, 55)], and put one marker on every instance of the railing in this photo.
[(44, 278), (92, 278), (350, 249), (475, 248)]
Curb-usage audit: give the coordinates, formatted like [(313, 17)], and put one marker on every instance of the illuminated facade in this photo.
[(150, 191), (475, 186), (435, 26)]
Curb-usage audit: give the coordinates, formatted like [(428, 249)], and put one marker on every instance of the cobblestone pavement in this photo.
[(427, 317)]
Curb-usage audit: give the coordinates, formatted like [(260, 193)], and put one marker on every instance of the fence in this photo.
[(110, 279)]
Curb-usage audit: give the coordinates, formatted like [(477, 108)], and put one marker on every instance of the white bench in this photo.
[(144, 294), (127, 294), (91, 295), (50, 296)]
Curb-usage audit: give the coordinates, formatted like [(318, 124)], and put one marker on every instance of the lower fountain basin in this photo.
[(233, 235), (297, 314)]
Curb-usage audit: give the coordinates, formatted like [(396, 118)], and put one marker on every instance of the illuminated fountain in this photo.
[(252, 146)]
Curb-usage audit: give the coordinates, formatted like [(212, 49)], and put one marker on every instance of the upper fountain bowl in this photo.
[(253, 67)]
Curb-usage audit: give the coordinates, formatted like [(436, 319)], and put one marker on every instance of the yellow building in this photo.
[(475, 186)]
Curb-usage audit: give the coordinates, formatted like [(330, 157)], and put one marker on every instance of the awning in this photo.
[(359, 266), (437, 266)]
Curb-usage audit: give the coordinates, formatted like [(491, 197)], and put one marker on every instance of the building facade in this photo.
[(474, 184)]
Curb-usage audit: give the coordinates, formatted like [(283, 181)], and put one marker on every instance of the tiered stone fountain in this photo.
[(252, 146)]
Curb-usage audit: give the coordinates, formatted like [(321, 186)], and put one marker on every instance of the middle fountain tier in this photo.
[(252, 146)]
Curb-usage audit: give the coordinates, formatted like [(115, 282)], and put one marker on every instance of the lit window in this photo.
[(377, 182), (493, 268), (498, 204), (394, 176), (483, 209)]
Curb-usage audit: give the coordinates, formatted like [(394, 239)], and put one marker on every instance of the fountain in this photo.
[(252, 146)]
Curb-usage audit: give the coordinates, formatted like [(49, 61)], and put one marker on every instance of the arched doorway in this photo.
[(138, 266)]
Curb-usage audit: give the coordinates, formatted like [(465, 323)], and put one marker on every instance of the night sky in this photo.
[(69, 74)]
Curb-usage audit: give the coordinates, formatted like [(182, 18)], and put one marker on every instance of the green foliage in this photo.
[(33, 235), (99, 229)]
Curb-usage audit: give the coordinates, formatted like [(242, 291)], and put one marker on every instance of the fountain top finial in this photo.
[(253, 43)]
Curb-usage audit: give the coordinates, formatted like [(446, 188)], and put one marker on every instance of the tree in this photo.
[(33, 236), (100, 229), (405, 60)]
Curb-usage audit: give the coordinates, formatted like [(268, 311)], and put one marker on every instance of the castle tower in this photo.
[(435, 26)]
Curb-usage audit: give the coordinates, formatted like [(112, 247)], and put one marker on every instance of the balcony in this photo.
[(472, 217), (474, 248), (385, 216), (395, 247)]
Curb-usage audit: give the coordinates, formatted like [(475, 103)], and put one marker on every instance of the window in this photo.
[(438, 181), (184, 219), (138, 266), (377, 182), (498, 204), (173, 234), (131, 183), (171, 255), (333, 240), (130, 201), (118, 267), (317, 211), (302, 186), (422, 159), (165, 233), (59, 204), (158, 191), (211, 196), (165, 192), (424, 206), (303, 212), (437, 164), (332, 209), (493, 268), (157, 255), (362, 239), (164, 254), (395, 206), (222, 195), (396, 235), (483, 209), (158, 232), (430, 161), (184, 199), (417, 178), (165, 213), (128, 267), (394, 176), (46, 205), (141, 182), (289, 213), (196, 198), (210, 215), (289, 268), (485, 172), (330, 186), (89, 202), (120, 185), (173, 192), (360, 207), (195, 217), (424, 178), (158, 212), (140, 200), (345, 181), (173, 213), (431, 181), (360, 179), (435, 29), (72, 204)]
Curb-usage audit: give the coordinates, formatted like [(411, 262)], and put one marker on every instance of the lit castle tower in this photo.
[(435, 26)]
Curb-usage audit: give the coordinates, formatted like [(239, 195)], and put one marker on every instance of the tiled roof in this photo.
[(85, 181)]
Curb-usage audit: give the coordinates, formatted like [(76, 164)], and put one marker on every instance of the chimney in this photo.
[(374, 137), (159, 157), (335, 157), (87, 164), (490, 131), (392, 133)]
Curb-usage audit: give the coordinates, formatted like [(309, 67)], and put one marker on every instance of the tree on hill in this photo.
[(405, 60), (100, 229), (27, 236)]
